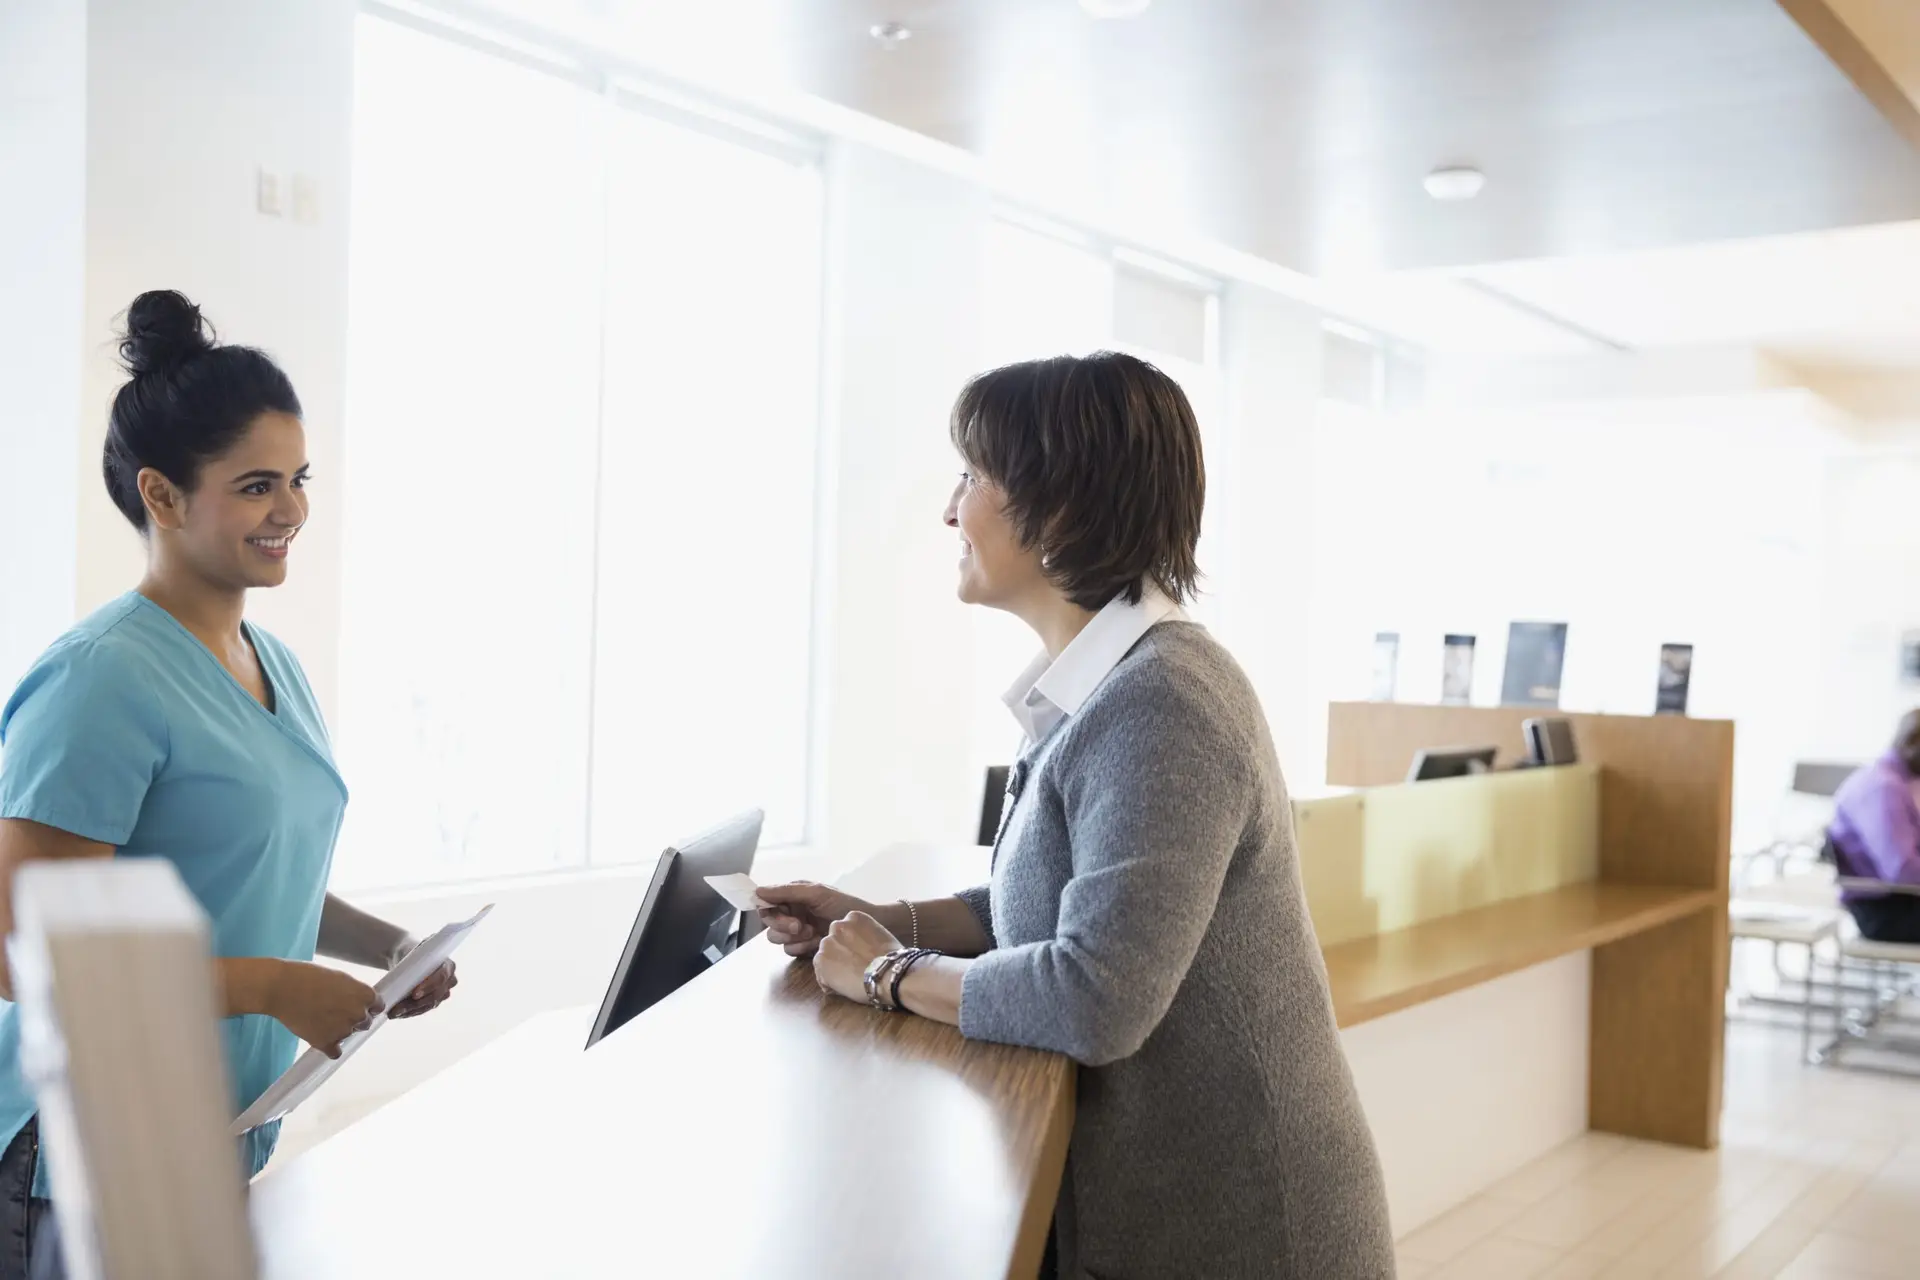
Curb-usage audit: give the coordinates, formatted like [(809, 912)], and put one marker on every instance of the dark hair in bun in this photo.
[(188, 398)]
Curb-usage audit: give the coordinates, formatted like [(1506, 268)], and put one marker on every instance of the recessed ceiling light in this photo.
[(1455, 182), (1115, 8), (891, 34)]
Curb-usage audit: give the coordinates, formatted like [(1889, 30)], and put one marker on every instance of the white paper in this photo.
[(741, 891), (311, 1069)]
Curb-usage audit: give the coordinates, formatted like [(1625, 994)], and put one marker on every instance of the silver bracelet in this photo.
[(871, 978), (878, 973), (913, 914)]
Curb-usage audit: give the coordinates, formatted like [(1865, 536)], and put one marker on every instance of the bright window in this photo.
[(706, 488), (580, 438)]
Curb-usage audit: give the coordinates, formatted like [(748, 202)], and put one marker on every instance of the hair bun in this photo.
[(164, 329)]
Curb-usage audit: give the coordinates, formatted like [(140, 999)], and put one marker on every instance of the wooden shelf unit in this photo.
[(1388, 972), (1657, 1021)]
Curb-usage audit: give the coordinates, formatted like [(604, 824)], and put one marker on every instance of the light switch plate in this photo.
[(306, 199)]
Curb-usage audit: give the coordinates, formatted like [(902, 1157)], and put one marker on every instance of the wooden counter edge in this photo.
[(1036, 1223)]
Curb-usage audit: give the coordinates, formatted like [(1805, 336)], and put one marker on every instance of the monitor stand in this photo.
[(727, 933)]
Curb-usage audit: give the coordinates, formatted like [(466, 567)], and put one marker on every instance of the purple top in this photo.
[(1876, 823)]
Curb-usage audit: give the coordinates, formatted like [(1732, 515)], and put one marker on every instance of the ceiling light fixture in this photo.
[(891, 35), (1455, 182), (1115, 8)]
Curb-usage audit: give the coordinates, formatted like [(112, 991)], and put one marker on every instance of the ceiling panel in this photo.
[(1299, 130), (1839, 297)]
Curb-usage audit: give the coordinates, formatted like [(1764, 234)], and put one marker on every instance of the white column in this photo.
[(904, 332), (1271, 355)]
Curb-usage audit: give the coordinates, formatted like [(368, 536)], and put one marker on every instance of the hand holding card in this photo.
[(740, 891), (798, 915)]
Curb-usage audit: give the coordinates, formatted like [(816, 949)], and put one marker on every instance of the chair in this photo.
[(1813, 781), (992, 800), (1787, 923), (1784, 896), (1811, 778), (1890, 973)]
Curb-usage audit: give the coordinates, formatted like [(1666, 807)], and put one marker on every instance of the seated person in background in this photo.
[(1876, 836), (1145, 915)]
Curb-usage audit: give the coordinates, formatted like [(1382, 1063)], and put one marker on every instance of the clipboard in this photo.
[(312, 1068)]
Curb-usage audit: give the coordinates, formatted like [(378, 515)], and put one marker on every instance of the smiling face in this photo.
[(235, 528), (1087, 465), (995, 570)]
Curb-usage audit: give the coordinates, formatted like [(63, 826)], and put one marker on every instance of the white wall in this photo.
[(186, 100), (43, 109), (1677, 527), (1869, 594)]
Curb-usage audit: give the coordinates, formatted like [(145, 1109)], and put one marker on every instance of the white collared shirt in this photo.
[(1051, 689)]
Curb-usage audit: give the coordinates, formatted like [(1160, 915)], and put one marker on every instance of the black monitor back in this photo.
[(993, 799), (683, 926), (1450, 762), (1550, 741)]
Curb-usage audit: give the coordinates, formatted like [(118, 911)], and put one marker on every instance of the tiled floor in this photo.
[(1817, 1178)]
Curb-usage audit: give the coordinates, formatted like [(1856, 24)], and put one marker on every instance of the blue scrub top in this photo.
[(128, 731)]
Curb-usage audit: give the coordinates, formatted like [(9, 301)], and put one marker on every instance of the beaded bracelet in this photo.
[(913, 915)]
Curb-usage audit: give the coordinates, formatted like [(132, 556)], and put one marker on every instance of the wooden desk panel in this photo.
[(1388, 858), (1373, 977), (1666, 795), (1656, 1053), (746, 1126)]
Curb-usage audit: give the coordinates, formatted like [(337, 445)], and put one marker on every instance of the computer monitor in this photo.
[(1451, 762), (1549, 741), (682, 926)]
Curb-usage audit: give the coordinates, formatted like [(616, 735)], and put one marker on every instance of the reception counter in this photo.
[(1512, 958), (745, 1126)]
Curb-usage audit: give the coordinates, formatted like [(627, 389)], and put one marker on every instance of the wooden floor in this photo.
[(1817, 1178)]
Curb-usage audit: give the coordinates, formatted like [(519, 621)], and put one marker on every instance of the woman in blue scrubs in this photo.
[(166, 725)]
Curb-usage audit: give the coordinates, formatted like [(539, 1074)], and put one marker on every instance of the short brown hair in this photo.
[(1099, 457)]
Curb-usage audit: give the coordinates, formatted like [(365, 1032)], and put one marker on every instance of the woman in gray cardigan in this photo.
[(1145, 916)]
